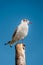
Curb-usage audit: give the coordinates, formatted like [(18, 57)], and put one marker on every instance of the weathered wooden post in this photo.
[(20, 54)]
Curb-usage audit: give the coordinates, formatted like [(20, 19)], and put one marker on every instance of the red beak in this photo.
[(30, 23)]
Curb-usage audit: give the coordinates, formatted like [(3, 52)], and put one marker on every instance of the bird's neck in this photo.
[(24, 23)]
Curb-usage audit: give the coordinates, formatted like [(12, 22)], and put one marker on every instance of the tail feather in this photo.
[(8, 43)]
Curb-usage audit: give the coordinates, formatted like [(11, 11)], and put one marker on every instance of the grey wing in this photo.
[(15, 32)]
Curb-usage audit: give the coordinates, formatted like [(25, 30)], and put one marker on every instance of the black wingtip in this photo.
[(10, 46), (5, 44)]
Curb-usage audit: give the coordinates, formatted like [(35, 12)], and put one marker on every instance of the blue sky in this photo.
[(11, 13)]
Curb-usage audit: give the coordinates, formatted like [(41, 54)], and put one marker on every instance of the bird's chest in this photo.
[(23, 30)]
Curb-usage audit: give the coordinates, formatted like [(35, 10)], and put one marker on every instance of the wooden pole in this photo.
[(20, 54)]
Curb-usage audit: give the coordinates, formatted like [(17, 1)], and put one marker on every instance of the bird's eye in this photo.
[(25, 20)]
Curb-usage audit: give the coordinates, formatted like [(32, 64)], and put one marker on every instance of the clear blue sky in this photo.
[(11, 12)]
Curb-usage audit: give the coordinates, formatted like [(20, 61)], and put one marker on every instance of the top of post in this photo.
[(20, 45)]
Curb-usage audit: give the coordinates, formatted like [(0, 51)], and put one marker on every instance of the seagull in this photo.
[(20, 32)]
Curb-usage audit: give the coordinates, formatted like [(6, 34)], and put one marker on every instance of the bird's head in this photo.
[(26, 21)]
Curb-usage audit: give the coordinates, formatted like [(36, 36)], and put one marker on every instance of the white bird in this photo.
[(21, 32)]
